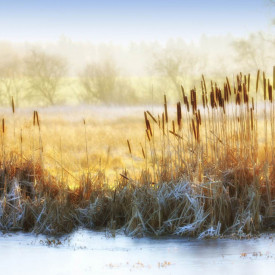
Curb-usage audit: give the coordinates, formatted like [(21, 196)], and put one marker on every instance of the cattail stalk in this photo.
[(86, 146)]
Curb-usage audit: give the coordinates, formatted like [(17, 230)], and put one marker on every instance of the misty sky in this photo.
[(125, 21)]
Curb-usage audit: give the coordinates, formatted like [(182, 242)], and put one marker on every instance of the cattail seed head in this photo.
[(182, 91), (264, 87), (148, 136), (179, 115), (142, 150), (34, 117), (165, 109), (199, 116), (173, 126), (37, 119), (12, 105), (270, 92), (194, 129), (3, 125), (257, 81), (152, 117), (228, 85), (129, 147)]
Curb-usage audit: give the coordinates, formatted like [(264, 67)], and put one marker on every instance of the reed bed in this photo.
[(208, 170)]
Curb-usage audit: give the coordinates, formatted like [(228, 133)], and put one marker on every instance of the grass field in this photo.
[(67, 142), (203, 166)]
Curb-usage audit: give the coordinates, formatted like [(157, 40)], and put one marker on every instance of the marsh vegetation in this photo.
[(203, 167)]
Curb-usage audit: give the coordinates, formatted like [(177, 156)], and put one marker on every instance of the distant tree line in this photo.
[(39, 77)]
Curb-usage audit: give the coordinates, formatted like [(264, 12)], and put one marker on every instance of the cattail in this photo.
[(199, 116), (12, 105), (206, 99), (257, 81), (238, 99), (193, 96), (165, 109), (228, 85), (184, 100), (182, 91), (152, 117), (148, 136), (173, 126), (203, 100), (34, 118), (226, 97), (175, 134), (223, 106), (192, 101), (3, 125), (204, 84), (123, 176), (186, 103), (194, 128), (147, 123), (264, 79), (239, 83), (149, 128), (129, 147), (179, 116), (245, 95), (37, 119), (212, 100), (159, 121), (240, 88), (143, 153), (145, 118), (203, 95), (219, 96), (269, 92)]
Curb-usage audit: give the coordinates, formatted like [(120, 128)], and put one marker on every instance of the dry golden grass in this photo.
[(205, 166), (64, 143)]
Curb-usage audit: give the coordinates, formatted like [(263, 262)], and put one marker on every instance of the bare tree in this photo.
[(44, 73), (257, 51), (171, 67), (10, 81), (99, 81), (176, 63)]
